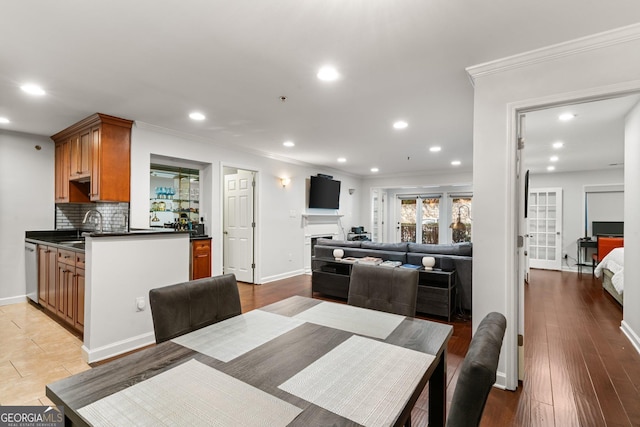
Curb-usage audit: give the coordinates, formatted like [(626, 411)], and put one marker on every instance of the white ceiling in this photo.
[(155, 62), (593, 140)]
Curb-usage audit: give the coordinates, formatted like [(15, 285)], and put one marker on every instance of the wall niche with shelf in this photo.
[(174, 197)]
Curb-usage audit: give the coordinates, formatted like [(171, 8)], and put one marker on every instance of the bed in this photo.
[(611, 269)]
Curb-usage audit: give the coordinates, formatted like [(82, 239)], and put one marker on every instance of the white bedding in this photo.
[(614, 261)]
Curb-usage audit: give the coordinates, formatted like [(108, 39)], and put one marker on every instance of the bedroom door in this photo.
[(545, 228)]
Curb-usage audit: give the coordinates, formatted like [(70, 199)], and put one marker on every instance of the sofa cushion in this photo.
[(342, 243), (463, 249), (397, 247)]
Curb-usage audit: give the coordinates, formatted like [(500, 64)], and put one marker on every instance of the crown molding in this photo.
[(560, 50)]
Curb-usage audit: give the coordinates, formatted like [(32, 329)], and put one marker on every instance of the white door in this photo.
[(545, 228), (239, 225)]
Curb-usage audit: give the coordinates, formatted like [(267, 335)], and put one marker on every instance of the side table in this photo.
[(436, 292)]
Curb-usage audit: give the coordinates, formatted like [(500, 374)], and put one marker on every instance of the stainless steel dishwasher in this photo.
[(31, 269)]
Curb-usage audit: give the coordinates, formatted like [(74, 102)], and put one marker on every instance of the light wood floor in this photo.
[(580, 369)]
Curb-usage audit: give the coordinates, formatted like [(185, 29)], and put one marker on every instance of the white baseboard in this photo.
[(13, 300), (631, 334), (501, 381), (117, 348), (282, 276)]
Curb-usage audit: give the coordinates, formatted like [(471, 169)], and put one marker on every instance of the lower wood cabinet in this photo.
[(61, 278), (200, 258), (47, 277)]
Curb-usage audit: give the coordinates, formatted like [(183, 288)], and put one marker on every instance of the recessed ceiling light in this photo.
[(328, 74), (566, 117), (196, 116), (288, 144), (32, 89), (4, 120), (400, 124), (551, 168), (341, 159), (558, 144), (374, 170), (435, 149), (553, 158), (456, 163)]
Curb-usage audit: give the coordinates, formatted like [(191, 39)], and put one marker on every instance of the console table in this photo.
[(436, 288), (583, 246)]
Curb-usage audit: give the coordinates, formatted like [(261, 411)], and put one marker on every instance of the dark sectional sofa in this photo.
[(449, 257)]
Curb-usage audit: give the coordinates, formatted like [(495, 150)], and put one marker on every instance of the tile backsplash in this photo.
[(115, 216)]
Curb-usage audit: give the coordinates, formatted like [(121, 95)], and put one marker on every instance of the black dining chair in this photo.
[(394, 290), (185, 307), (477, 373)]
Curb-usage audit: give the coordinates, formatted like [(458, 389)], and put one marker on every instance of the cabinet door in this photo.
[(43, 275), (79, 300), (201, 261), (80, 154), (62, 171), (95, 162), (64, 290), (52, 278)]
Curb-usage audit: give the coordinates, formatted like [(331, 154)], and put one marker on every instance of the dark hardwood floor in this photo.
[(580, 369)]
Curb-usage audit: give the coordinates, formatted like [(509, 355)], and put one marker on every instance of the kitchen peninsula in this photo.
[(119, 270)]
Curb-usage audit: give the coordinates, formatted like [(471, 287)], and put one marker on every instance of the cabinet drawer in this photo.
[(67, 257), (79, 260)]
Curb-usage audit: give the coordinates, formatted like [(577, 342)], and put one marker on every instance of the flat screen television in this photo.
[(324, 193), (607, 228)]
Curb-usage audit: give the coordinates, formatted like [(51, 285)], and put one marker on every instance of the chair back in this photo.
[(477, 373), (394, 290), (185, 307), (607, 244)]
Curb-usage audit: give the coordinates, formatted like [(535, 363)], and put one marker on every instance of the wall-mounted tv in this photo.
[(324, 193), (608, 228)]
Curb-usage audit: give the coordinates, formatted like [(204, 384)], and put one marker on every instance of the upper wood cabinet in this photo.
[(96, 155)]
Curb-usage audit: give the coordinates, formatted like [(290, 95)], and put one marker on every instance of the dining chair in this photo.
[(394, 290), (477, 373), (184, 307)]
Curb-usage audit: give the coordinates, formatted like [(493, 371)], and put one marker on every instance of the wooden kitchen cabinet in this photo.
[(78, 293), (80, 155), (67, 191), (66, 278), (98, 158), (47, 275), (200, 258)]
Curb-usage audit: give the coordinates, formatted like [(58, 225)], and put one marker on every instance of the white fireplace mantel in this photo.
[(319, 225)]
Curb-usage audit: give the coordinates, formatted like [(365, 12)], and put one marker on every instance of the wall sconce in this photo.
[(352, 190), (285, 181)]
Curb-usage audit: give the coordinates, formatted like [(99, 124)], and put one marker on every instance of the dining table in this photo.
[(297, 362)]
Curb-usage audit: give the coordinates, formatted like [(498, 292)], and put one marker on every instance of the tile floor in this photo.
[(34, 351)]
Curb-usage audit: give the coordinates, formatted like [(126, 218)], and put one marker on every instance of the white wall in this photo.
[(631, 313), (26, 194), (572, 184), (278, 233), (581, 70)]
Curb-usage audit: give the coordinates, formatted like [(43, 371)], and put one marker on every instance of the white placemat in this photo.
[(192, 394), (372, 323), (366, 381), (238, 335)]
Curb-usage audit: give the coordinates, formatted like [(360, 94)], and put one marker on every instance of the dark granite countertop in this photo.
[(74, 239)]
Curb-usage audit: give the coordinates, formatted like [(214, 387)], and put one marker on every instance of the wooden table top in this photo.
[(265, 367)]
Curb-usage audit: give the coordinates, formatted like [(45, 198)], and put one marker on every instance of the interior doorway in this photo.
[(557, 163), (239, 223)]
